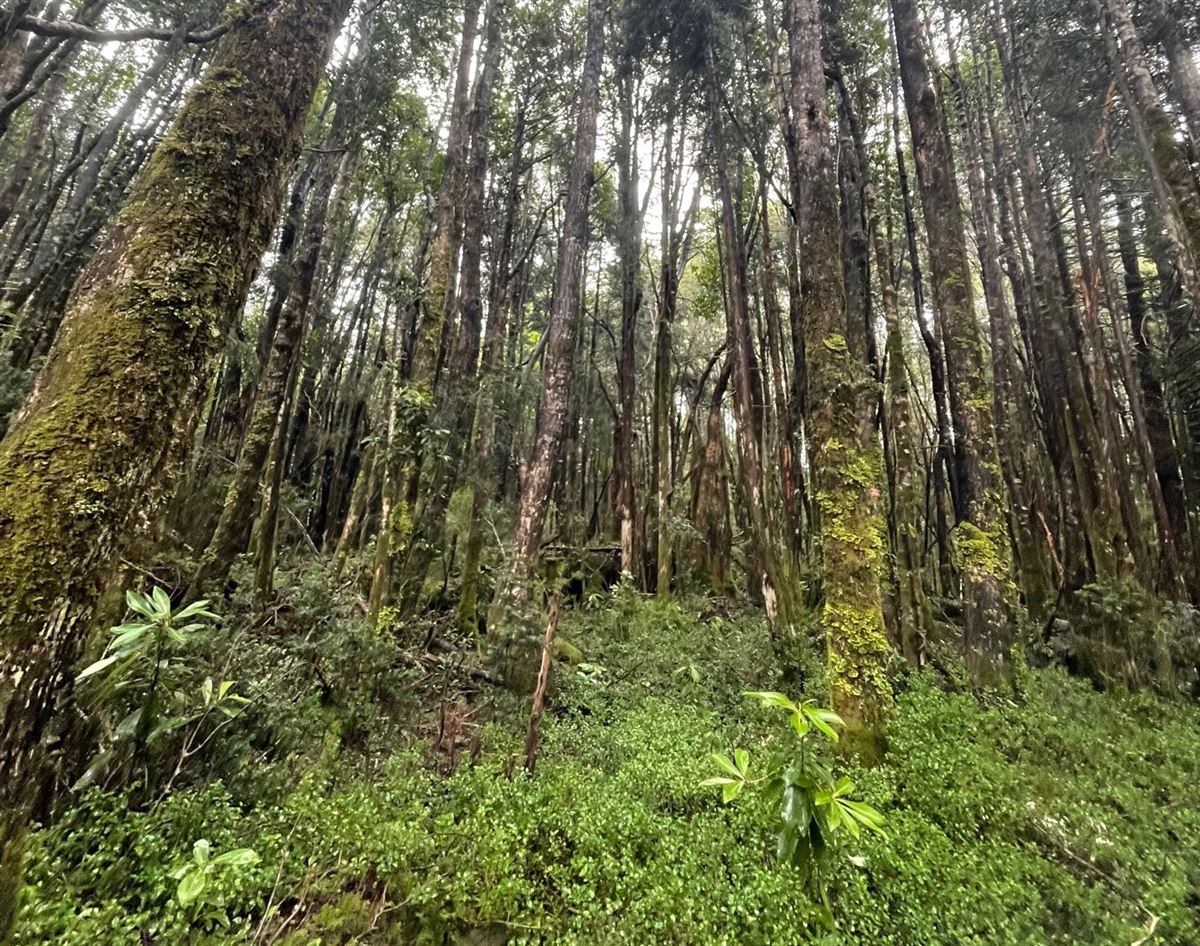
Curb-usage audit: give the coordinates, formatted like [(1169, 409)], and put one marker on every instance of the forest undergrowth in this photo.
[(390, 806)]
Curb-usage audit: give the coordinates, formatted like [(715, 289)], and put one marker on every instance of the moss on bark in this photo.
[(95, 450)]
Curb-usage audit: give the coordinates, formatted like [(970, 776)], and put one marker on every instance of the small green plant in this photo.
[(198, 891), (141, 644), (141, 680), (815, 807)]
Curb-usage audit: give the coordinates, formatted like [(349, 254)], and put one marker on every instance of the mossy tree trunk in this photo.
[(710, 496), (454, 410), (913, 617), (96, 449), (481, 472), (1086, 533), (770, 567), (629, 249), (842, 396), (1005, 395), (405, 458), (1156, 419), (237, 515)]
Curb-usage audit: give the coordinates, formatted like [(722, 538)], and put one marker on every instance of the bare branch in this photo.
[(68, 30)]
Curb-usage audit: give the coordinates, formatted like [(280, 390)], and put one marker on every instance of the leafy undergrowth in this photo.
[(1066, 816)]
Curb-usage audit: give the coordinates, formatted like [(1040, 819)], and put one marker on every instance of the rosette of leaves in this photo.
[(815, 806), (200, 891), (141, 684)]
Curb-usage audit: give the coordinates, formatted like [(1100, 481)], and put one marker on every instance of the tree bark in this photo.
[(629, 250), (1174, 185), (96, 449), (981, 535), (511, 651), (842, 398)]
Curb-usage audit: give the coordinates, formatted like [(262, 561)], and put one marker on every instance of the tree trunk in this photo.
[(511, 651), (629, 249), (481, 473), (1174, 185), (842, 398), (434, 317), (234, 525), (96, 449), (454, 409), (981, 535)]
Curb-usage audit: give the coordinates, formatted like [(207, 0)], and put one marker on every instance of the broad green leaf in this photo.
[(724, 762), (834, 817), (206, 690), (190, 887), (824, 720), (771, 698), (195, 609), (794, 808), (130, 639), (717, 780), (787, 844), (166, 727), (843, 817), (200, 851), (731, 791), (128, 726), (130, 626), (140, 603), (866, 815), (241, 857), (799, 723), (742, 758), (162, 602), (94, 770)]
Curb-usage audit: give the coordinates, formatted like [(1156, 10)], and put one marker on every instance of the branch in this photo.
[(66, 30)]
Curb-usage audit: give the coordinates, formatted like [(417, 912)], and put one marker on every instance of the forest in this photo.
[(599, 472)]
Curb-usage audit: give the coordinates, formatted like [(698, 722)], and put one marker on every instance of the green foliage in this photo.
[(198, 888), (1122, 636), (814, 806), (141, 680), (106, 873), (1064, 819)]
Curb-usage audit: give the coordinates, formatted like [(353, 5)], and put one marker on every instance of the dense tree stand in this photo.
[(811, 382)]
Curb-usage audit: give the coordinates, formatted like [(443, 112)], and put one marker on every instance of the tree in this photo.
[(841, 397), (95, 450), (981, 539), (561, 334)]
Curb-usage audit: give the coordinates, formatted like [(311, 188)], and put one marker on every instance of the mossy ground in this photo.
[(1061, 816)]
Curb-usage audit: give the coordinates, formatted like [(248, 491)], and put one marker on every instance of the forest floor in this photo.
[(382, 810)]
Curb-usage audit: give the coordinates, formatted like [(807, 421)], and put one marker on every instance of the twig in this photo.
[(543, 683)]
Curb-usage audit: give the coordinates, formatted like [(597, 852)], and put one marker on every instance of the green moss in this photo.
[(338, 922), (836, 343), (981, 553)]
